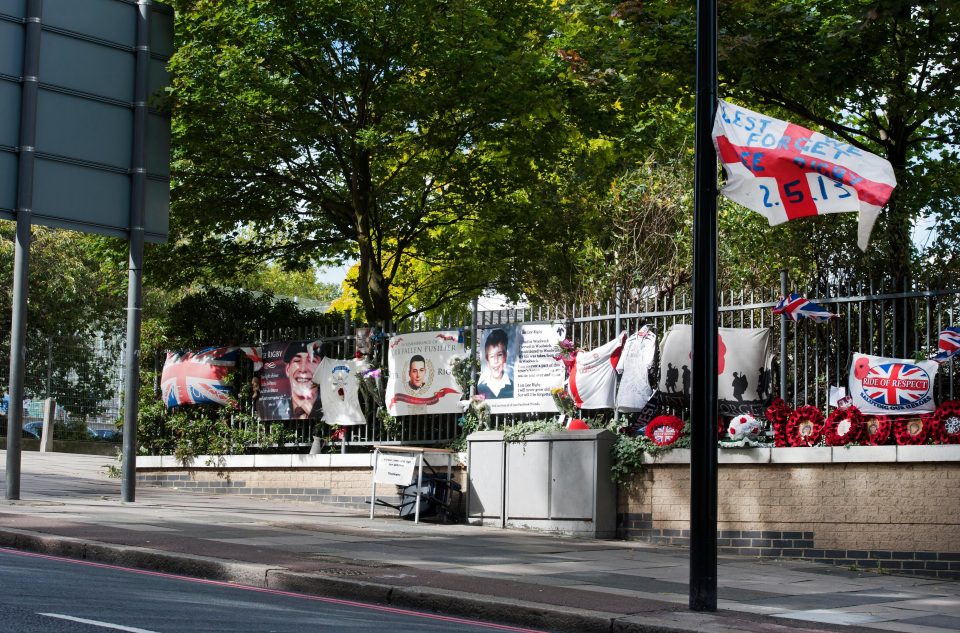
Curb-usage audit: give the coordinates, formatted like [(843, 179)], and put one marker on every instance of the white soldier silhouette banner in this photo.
[(744, 359), (421, 373)]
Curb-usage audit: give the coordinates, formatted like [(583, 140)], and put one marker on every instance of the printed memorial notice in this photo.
[(518, 368)]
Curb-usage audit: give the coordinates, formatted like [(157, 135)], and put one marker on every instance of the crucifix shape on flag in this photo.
[(784, 171)]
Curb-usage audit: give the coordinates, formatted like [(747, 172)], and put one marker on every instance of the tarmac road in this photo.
[(49, 594)]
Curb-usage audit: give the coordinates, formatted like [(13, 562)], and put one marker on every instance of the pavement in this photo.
[(69, 507)]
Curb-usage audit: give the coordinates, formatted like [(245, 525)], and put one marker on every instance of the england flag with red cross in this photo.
[(784, 171)]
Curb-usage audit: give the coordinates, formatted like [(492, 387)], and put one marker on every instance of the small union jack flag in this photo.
[(949, 344), (796, 307), (198, 377)]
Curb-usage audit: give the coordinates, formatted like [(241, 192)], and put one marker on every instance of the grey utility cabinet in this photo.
[(558, 482)]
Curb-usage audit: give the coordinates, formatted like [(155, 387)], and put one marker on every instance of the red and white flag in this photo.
[(784, 171)]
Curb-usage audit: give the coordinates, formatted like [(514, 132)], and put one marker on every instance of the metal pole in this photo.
[(30, 86), (703, 401), (473, 348), (783, 339), (138, 186)]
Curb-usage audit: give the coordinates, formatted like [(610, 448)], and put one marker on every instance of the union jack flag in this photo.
[(198, 377), (255, 354), (949, 344), (796, 307), (896, 384)]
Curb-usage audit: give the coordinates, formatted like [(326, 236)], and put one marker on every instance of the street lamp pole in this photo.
[(703, 401)]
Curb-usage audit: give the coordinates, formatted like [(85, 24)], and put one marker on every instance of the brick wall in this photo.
[(347, 487), (896, 516)]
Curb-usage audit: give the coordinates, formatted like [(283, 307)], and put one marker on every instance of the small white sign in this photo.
[(395, 469), (836, 394)]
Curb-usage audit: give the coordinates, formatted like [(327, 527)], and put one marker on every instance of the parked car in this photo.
[(107, 435)]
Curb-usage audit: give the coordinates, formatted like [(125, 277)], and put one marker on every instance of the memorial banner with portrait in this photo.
[(518, 367), (287, 390), (421, 378)]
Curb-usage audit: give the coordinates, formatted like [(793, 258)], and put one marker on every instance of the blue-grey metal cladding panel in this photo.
[(108, 20), (81, 194), (11, 48), (8, 180), (158, 145), (157, 79), (157, 211), (84, 130), (161, 32), (9, 113), (16, 8), (87, 67)]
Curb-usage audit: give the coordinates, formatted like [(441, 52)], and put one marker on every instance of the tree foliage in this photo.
[(75, 316), (541, 148), (882, 76), (381, 131)]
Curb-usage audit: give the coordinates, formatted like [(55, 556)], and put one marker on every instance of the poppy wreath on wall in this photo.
[(778, 413), (912, 430), (664, 430), (804, 426), (876, 430), (844, 426), (948, 421)]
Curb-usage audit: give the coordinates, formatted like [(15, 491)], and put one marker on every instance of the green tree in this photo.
[(380, 131), (273, 279), (75, 316), (882, 76)]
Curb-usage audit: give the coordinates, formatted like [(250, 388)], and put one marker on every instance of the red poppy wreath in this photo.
[(876, 430), (912, 430), (805, 426), (948, 421), (778, 413), (844, 426), (664, 430)]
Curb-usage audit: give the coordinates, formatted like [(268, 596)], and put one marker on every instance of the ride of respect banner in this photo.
[(518, 367), (892, 386), (421, 378)]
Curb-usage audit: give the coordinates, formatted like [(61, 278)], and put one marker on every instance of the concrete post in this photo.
[(46, 437)]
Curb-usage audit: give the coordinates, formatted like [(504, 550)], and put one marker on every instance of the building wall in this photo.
[(330, 479), (892, 515)]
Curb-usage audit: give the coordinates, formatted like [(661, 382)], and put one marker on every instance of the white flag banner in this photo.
[(784, 171)]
